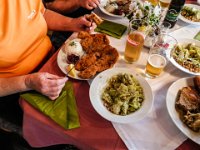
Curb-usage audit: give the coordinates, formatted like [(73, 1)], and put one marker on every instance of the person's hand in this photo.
[(45, 83), (89, 4), (81, 24)]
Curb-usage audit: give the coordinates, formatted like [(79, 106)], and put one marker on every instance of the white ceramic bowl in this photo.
[(100, 82)]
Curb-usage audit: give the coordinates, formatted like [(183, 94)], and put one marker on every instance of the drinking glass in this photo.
[(164, 4), (135, 40), (158, 58), (154, 2), (164, 27)]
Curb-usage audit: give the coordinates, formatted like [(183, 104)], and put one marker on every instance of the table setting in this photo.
[(149, 120)]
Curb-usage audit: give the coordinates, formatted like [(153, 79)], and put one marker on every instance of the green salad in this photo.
[(191, 14), (188, 56), (123, 94)]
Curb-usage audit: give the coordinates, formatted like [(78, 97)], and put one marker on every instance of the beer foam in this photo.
[(133, 42), (157, 60)]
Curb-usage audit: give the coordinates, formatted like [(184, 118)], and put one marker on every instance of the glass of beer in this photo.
[(158, 55), (135, 40), (164, 3), (153, 2)]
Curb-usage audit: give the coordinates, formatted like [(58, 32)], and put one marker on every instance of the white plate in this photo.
[(101, 7), (189, 21), (62, 64), (170, 102), (184, 41), (100, 82)]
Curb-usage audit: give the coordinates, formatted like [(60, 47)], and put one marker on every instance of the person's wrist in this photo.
[(27, 81)]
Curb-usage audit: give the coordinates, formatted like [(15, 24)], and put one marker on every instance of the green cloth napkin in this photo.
[(197, 37), (63, 110), (111, 28)]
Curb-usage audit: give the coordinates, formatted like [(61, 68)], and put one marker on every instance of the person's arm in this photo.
[(68, 6), (62, 6), (45, 83), (56, 21)]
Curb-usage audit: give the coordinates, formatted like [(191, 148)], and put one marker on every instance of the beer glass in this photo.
[(153, 2), (158, 58), (164, 3), (137, 32)]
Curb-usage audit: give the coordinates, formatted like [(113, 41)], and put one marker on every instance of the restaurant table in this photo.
[(95, 132)]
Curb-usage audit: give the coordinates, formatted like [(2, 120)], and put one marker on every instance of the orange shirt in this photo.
[(23, 36)]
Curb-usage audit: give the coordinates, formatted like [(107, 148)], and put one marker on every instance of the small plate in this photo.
[(101, 7), (189, 21), (184, 41), (170, 102), (100, 82), (62, 64)]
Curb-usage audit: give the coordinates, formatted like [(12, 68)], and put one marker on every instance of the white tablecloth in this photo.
[(155, 131)]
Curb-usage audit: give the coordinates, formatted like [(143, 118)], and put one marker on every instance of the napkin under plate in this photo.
[(63, 110), (111, 28)]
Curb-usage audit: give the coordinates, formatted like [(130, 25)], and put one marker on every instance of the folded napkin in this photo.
[(111, 28), (63, 110), (197, 36)]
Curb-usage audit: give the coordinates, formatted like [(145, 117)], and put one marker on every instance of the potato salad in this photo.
[(188, 56), (122, 94)]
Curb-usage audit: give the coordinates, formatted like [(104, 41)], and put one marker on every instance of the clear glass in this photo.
[(164, 27), (164, 4), (158, 59), (153, 2), (137, 32)]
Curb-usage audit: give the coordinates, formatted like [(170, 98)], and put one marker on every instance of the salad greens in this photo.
[(188, 56), (145, 11), (190, 13), (123, 94)]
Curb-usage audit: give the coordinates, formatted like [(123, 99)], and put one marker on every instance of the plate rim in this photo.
[(173, 61), (101, 7), (186, 20), (96, 100), (194, 136)]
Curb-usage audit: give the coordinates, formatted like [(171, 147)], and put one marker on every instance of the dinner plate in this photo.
[(62, 64), (172, 60), (101, 7), (96, 89), (189, 21), (170, 102)]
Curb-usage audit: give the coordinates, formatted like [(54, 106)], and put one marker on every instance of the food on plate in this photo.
[(93, 42), (191, 13), (187, 56), (188, 105), (71, 70), (117, 7), (94, 17), (99, 55), (74, 51), (189, 99), (122, 94), (197, 83)]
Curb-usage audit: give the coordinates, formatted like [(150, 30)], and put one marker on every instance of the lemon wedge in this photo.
[(142, 28), (71, 70)]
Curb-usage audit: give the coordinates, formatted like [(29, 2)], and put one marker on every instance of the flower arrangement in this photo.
[(146, 12)]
